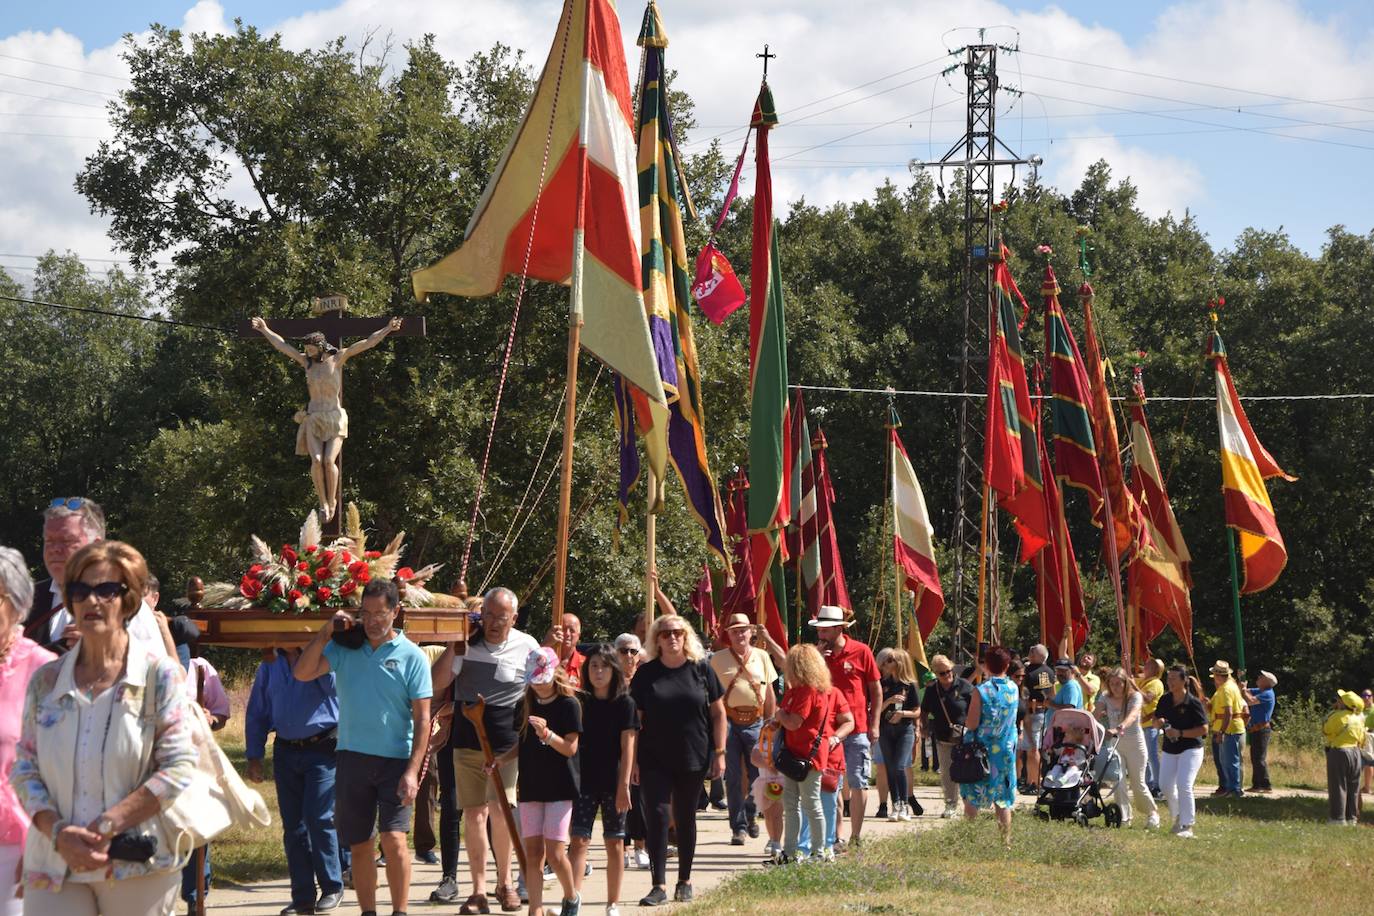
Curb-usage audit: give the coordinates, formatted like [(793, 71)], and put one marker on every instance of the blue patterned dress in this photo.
[(997, 731)]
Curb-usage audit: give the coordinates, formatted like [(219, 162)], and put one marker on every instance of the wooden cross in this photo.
[(766, 58), (332, 323)]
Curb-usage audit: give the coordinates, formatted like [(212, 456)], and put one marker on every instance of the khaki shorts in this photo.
[(475, 787)]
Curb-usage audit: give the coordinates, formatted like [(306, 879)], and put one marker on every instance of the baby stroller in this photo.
[(1078, 775)]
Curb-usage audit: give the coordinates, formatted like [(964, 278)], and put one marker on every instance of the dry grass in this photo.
[(1260, 855)]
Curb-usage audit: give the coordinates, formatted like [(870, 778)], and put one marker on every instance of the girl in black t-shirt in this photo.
[(606, 752), (549, 780)]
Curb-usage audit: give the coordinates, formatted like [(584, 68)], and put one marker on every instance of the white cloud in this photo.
[(1272, 47), (1164, 183)]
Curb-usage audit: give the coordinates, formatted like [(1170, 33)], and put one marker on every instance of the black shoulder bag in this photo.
[(794, 767), (968, 760)]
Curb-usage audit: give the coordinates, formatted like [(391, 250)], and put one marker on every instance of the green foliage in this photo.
[(277, 175)]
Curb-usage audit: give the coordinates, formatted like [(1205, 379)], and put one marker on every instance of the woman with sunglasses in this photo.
[(20, 657), (681, 743), (88, 769)]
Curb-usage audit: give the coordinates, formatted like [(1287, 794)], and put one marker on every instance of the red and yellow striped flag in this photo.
[(564, 199), (913, 542), (1245, 465)]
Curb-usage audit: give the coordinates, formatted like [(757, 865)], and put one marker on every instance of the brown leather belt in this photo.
[(743, 715)]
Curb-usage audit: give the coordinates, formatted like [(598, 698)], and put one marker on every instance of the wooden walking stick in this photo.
[(473, 713)]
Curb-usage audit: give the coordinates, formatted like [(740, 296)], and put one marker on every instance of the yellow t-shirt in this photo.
[(1151, 691), (1090, 695), (1228, 699), (743, 693)]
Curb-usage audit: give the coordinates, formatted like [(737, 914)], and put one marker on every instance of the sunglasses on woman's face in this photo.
[(104, 591), (670, 634)]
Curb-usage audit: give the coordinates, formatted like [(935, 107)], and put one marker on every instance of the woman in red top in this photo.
[(807, 710)]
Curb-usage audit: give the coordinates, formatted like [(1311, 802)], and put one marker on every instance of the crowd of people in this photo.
[(374, 737)]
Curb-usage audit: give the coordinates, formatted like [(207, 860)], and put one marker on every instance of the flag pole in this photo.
[(892, 425), (1231, 538), (650, 546), (560, 569), (982, 566)]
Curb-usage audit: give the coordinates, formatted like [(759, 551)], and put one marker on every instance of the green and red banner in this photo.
[(1011, 451), (1075, 450), (769, 422)]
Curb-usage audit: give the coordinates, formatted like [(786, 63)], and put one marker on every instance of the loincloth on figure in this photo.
[(323, 425)]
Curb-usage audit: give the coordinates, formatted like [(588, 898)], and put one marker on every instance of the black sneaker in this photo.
[(571, 907), (753, 830), (446, 892), (655, 897), (683, 892), (737, 838), (428, 857), (882, 812)]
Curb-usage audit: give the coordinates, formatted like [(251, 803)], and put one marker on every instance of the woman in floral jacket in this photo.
[(98, 758)]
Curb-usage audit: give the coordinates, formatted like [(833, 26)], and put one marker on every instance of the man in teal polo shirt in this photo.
[(384, 690)]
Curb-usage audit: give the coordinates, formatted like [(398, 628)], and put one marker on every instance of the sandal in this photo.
[(508, 897), (477, 903)]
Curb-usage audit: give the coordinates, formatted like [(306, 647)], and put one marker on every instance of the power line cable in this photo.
[(838, 389), (41, 63), (789, 113), (1263, 131), (48, 98), (1164, 98), (153, 319), (1179, 79), (32, 79)]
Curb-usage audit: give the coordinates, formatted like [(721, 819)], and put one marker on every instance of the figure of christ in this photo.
[(324, 422)]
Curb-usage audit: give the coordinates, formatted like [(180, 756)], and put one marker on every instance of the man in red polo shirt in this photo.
[(563, 640), (854, 672)]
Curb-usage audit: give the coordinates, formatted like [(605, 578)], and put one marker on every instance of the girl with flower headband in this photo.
[(550, 778)]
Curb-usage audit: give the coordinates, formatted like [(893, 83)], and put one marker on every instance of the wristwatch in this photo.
[(105, 827)]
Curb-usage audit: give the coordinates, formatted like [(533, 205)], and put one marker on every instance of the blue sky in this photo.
[(1242, 112)]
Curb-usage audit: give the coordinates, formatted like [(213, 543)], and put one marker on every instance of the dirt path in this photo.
[(715, 861)]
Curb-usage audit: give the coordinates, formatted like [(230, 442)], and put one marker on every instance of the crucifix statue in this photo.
[(324, 422)]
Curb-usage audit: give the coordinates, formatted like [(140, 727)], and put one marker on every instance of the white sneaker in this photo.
[(949, 812), (1152, 823), (587, 870), (895, 812), (612, 910), (641, 858), (1185, 834), (772, 848), (827, 855), (906, 812)]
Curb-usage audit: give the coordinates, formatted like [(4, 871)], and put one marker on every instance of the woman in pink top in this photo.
[(19, 658)]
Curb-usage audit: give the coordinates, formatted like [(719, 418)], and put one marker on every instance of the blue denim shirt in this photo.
[(293, 709)]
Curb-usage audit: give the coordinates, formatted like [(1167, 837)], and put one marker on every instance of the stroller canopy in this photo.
[(1074, 718)]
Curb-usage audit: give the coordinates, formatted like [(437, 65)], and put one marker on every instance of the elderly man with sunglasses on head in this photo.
[(69, 524)]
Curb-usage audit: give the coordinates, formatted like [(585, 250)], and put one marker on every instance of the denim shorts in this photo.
[(857, 760)]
